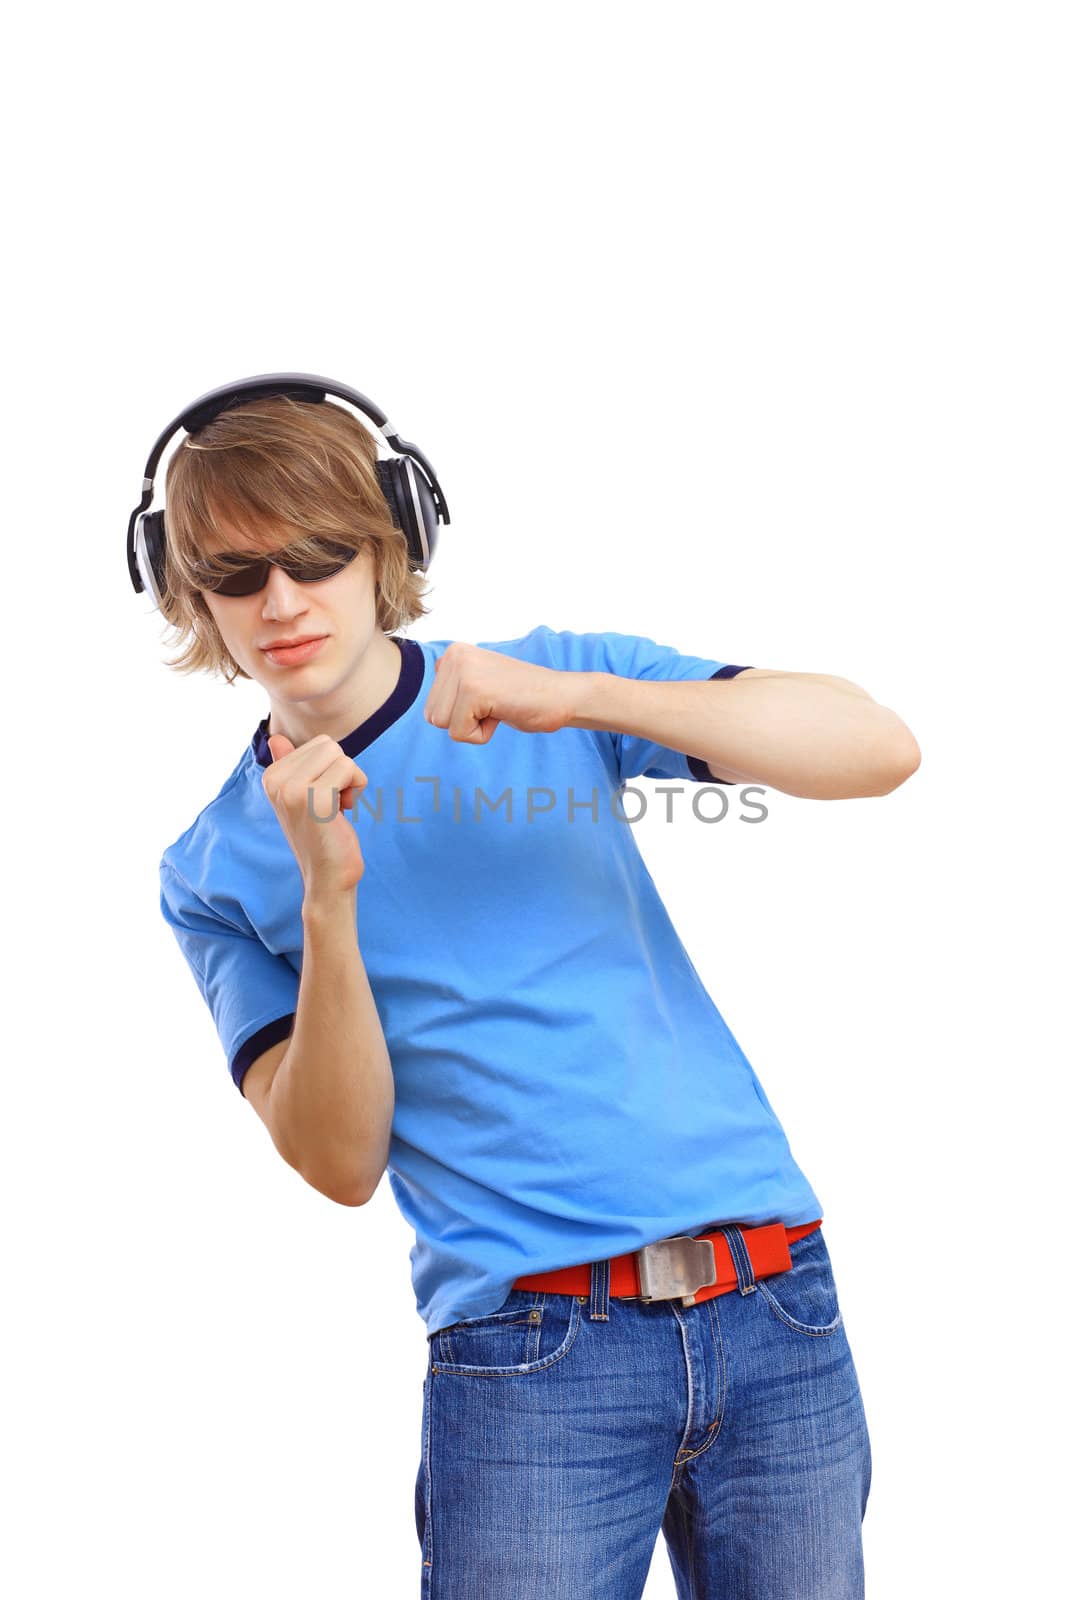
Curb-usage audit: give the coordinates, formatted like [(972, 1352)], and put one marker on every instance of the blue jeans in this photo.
[(562, 1432)]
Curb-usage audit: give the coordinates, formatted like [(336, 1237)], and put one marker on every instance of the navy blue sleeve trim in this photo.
[(698, 768), (280, 1028)]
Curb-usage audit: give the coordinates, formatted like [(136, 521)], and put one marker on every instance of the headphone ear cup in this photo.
[(386, 484), (151, 551), (411, 505)]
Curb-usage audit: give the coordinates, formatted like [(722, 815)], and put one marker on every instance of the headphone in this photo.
[(407, 481)]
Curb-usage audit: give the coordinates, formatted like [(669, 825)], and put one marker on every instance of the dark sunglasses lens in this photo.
[(251, 578), (332, 558), (246, 580)]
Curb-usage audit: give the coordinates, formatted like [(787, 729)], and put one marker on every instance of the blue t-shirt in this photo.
[(565, 1087)]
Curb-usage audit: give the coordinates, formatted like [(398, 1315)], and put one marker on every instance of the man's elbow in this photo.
[(343, 1192), (880, 774), (356, 1195), (907, 758)]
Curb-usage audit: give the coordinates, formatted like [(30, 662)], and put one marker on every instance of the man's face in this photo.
[(340, 611)]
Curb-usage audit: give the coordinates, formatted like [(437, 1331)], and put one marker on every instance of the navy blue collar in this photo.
[(412, 670)]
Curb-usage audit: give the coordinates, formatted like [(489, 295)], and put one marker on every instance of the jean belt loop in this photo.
[(746, 1277), (600, 1291)]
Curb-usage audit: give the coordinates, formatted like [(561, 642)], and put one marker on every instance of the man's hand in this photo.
[(304, 783), (476, 690)]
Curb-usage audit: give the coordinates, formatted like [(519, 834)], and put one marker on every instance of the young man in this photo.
[(431, 948)]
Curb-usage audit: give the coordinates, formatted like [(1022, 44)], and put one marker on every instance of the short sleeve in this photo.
[(630, 655), (250, 992)]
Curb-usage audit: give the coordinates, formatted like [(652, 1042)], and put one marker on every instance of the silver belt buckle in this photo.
[(674, 1267)]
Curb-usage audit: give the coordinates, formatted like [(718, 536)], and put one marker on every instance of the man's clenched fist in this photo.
[(476, 690)]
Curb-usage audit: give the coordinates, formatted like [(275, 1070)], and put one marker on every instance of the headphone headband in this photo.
[(416, 500)]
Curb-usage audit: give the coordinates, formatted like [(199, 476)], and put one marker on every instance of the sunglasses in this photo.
[(308, 561)]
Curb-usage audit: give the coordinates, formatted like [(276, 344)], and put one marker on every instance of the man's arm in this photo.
[(807, 734), (329, 1105), (819, 737)]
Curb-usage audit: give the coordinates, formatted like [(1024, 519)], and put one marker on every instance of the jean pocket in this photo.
[(805, 1297), (530, 1331)]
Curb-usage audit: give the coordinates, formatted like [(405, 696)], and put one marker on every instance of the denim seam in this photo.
[(427, 1483), (459, 1370), (808, 1329), (533, 1334), (681, 1454), (811, 1330), (715, 1426)]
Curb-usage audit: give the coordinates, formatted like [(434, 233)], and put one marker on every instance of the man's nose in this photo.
[(282, 595)]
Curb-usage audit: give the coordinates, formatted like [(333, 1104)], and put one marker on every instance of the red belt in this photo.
[(679, 1266)]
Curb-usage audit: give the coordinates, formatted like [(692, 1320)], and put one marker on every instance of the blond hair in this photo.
[(306, 464)]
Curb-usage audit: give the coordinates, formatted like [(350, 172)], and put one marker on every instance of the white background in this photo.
[(738, 327)]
